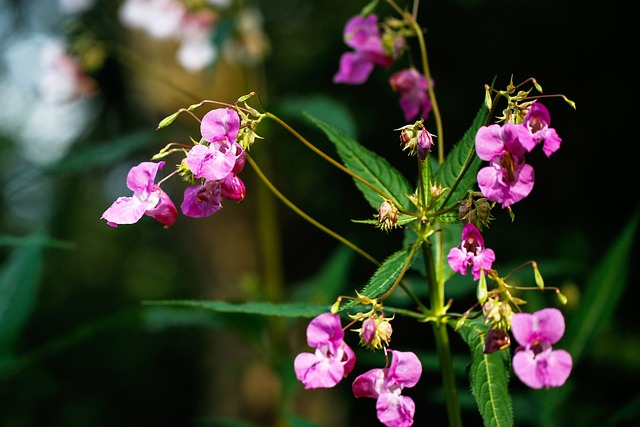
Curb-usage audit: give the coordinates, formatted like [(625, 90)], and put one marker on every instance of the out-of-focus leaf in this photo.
[(370, 167), (18, 288), (106, 153), (602, 292), (329, 281), (215, 421), (384, 277), (37, 240), (259, 308), (489, 376), (322, 107), (453, 166)]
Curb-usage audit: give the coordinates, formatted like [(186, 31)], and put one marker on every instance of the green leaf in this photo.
[(370, 167), (18, 288), (104, 154), (489, 376), (384, 277), (453, 166), (322, 107), (260, 308), (602, 293)]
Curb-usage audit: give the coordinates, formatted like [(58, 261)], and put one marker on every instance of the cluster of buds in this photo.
[(416, 139), (375, 331), (475, 209), (498, 314), (387, 216)]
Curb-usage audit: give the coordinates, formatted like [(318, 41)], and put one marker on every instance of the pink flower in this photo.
[(221, 124), (507, 179), (217, 159), (148, 199), (212, 162), (412, 86), (333, 358), (535, 362), (471, 253), (363, 35), (201, 200), (537, 122), (385, 385)]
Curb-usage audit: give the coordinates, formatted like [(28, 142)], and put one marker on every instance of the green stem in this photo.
[(325, 156), (306, 217), (436, 296)]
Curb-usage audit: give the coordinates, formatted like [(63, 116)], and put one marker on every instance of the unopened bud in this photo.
[(496, 339), (375, 331), (387, 216)]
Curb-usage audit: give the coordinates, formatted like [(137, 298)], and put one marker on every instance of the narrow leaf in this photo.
[(453, 167), (384, 277), (370, 167), (260, 308), (489, 376), (18, 287), (602, 293)]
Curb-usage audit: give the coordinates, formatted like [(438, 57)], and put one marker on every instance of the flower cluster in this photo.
[(372, 47), (212, 166), (334, 360), (508, 178)]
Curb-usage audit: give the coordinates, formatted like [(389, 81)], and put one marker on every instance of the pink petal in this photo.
[(405, 368), (125, 210), (367, 384), (324, 328), (141, 177), (395, 410), (220, 124), (354, 69)]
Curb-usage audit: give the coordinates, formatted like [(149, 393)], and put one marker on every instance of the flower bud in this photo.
[(375, 331), (232, 188), (496, 339), (387, 216)]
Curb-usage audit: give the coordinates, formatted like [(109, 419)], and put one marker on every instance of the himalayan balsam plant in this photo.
[(444, 216)]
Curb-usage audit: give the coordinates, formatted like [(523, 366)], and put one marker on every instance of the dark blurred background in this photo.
[(86, 349)]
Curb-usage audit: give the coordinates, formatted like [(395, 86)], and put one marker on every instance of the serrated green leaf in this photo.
[(260, 308), (384, 277), (489, 376), (370, 167), (453, 166)]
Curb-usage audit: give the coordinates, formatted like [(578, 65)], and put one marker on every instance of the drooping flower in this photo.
[(507, 179), (212, 162), (471, 252), (412, 87), (217, 159), (363, 35), (332, 360), (386, 385), (535, 362), (537, 122), (202, 200), (148, 199)]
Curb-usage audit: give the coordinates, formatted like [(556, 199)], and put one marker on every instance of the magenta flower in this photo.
[(202, 200), (363, 35), (212, 162), (386, 384), (537, 122), (333, 358), (507, 179), (221, 124), (412, 87), (471, 253), (148, 199), (535, 362)]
